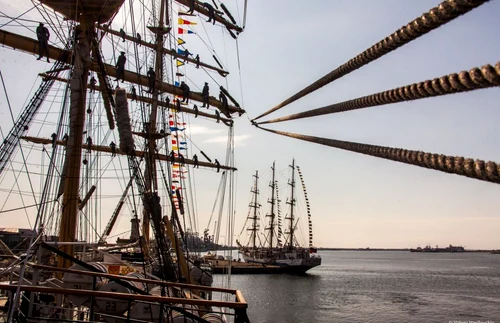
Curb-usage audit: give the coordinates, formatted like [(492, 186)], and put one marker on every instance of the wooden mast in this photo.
[(86, 14), (150, 176), (255, 206), (73, 158), (151, 181), (292, 203), (272, 215)]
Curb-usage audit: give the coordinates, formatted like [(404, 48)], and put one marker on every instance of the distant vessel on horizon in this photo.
[(437, 249)]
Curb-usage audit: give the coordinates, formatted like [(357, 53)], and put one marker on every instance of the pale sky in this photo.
[(356, 200)]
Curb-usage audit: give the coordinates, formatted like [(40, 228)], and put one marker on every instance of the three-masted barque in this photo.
[(272, 250)]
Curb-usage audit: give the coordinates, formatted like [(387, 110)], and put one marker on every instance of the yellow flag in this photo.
[(179, 63), (180, 41)]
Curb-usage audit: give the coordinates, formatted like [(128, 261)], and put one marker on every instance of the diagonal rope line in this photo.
[(487, 76), (435, 18), (478, 169)]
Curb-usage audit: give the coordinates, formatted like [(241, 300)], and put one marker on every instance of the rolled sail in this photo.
[(123, 122)]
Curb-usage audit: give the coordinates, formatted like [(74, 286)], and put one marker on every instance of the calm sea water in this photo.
[(379, 286)]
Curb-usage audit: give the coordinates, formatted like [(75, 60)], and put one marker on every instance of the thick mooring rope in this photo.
[(436, 17), (478, 169), (487, 76)]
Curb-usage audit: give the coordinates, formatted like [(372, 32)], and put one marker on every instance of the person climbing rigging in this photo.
[(172, 156), (197, 58), (122, 34), (43, 35), (134, 94), (186, 54), (151, 80), (217, 164), (205, 93), (54, 140), (178, 105), (195, 108), (139, 39), (191, 7), (185, 92), (112, 145), (89, 144), (120, 67), (223, 100), (217, 114), (211, 12), (93, 82), (183, 160), (195, 161)]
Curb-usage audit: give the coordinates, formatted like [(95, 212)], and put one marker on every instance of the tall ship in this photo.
[(280, 245), (106, 141)]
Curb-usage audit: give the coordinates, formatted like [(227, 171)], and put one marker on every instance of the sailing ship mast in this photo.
[(254, 205), (291, 218), (273, 203), (73, 159), (151, 180)]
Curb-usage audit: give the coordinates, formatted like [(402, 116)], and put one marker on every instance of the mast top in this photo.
[(88, 10)]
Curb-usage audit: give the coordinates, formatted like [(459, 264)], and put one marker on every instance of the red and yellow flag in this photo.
[(185, 22)]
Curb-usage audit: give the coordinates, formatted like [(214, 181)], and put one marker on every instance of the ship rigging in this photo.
[(108, 120)]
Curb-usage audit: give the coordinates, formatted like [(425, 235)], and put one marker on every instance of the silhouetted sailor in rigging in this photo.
[(120, 67), (195, 111), (89, 144), (205, 93), (151, 79), (167, 102), (139, 38), (178, 105), (197, 58), (93, 82), (172, 155), (191, 7), (43, 35), (211, 12), (112, 145), (134, 94), (185, 92), (223, 100), (217, 164), (54, 140), (183, 160), (186, 53), (122, 34), (217, 114), (195, 161)]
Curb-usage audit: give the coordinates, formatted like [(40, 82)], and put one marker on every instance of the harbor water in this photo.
[(379, 286)]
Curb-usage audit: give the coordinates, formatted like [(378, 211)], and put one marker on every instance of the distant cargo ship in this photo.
[(437, 249)]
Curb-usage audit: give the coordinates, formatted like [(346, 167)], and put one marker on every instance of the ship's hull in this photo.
[(289, 262)]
